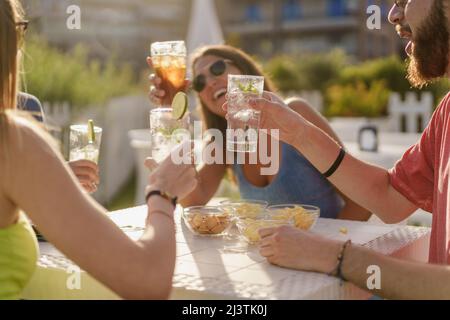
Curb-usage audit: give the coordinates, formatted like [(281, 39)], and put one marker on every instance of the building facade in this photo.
[(260, 27), (125, 27), (266, 27)]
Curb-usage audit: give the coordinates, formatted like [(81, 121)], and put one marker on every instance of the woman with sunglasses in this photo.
[(297, 181), (35, 179)]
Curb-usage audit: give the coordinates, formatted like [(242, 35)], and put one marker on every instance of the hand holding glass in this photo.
[(169, 61), (83, 147), (243, 121)]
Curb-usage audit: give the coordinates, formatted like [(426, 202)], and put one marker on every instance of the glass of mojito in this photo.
[(243, 121), (85, 142), (166, 133)]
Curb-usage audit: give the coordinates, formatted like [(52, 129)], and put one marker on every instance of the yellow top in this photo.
[(19, 252)]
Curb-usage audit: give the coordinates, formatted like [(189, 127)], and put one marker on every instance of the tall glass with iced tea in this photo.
[(169, 61)]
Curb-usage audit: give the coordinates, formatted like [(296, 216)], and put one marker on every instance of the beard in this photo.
[(430, 50)]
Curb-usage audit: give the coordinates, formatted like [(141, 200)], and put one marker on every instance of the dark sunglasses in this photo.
[(401, 3), (216, 69)]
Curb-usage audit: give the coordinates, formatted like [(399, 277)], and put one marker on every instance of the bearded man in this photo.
[(419, 180)]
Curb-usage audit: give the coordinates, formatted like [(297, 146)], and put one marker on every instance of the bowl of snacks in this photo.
[(207, 220), (302, 216), (249, 228), (244, 208)]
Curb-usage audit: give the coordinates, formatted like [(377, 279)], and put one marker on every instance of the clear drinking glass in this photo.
[(81, 146), (243, 121), (169, 61), (164, 132)]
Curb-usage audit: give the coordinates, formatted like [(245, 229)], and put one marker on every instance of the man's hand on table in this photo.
[(87, 173), (290, 247)]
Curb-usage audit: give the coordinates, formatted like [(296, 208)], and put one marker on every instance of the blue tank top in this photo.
[(297, 182)]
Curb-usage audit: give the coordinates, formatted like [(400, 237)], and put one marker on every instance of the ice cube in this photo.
[(243, 115)]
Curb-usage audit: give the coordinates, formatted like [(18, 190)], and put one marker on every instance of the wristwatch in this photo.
[(163, 194)]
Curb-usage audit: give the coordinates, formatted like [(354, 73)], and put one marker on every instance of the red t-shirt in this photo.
[(422, 176)]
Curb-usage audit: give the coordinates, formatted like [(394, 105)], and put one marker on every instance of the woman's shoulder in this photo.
[(25, 135), (22, 124), (298, 104), (303, 108)]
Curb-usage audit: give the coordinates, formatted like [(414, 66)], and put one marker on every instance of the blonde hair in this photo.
[(11, 39)]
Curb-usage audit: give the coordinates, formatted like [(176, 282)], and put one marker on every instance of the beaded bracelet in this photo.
[(337, 271)]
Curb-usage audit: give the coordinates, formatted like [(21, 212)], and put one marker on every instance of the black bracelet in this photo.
[(336, 163), (161, 194)]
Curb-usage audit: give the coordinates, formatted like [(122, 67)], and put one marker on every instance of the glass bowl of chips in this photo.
[(245, 208), (207, 220), (302, 216), (249, 228)]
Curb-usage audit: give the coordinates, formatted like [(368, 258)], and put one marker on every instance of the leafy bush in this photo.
[(356, 100), (283, 71), (349, 90), (55, 76), (320, 71), (306, 72), (391, 70)]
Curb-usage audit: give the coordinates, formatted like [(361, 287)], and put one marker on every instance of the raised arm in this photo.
[(364, 183), (42, 185)]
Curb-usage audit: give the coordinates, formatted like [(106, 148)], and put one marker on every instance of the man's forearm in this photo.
[(399, 279), (364, 183)]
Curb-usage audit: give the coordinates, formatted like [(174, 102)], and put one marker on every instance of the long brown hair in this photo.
[(11, 38), (243, 62)]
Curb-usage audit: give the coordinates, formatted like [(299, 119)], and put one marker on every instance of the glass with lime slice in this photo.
[(85, 142), (169, 127)]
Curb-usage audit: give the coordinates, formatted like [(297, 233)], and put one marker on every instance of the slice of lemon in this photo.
[(179, 105)]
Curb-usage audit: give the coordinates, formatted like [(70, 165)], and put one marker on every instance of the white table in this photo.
[(205, 271)]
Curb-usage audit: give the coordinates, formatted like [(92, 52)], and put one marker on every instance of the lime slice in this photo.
[(179, 105), (91, 132)]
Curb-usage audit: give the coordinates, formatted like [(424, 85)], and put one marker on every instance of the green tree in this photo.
[(57, 76)]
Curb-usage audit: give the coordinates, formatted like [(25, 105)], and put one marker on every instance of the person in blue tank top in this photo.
[(296, 181)]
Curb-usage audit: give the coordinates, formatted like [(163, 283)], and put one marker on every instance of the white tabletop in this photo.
[(205, 269)]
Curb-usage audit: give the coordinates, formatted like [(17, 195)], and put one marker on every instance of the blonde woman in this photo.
[(35, 179)]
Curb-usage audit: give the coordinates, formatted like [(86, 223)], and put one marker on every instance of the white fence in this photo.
[(412, 114)]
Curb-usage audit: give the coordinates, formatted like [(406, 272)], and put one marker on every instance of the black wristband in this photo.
[(336, 163), (161, 194)]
